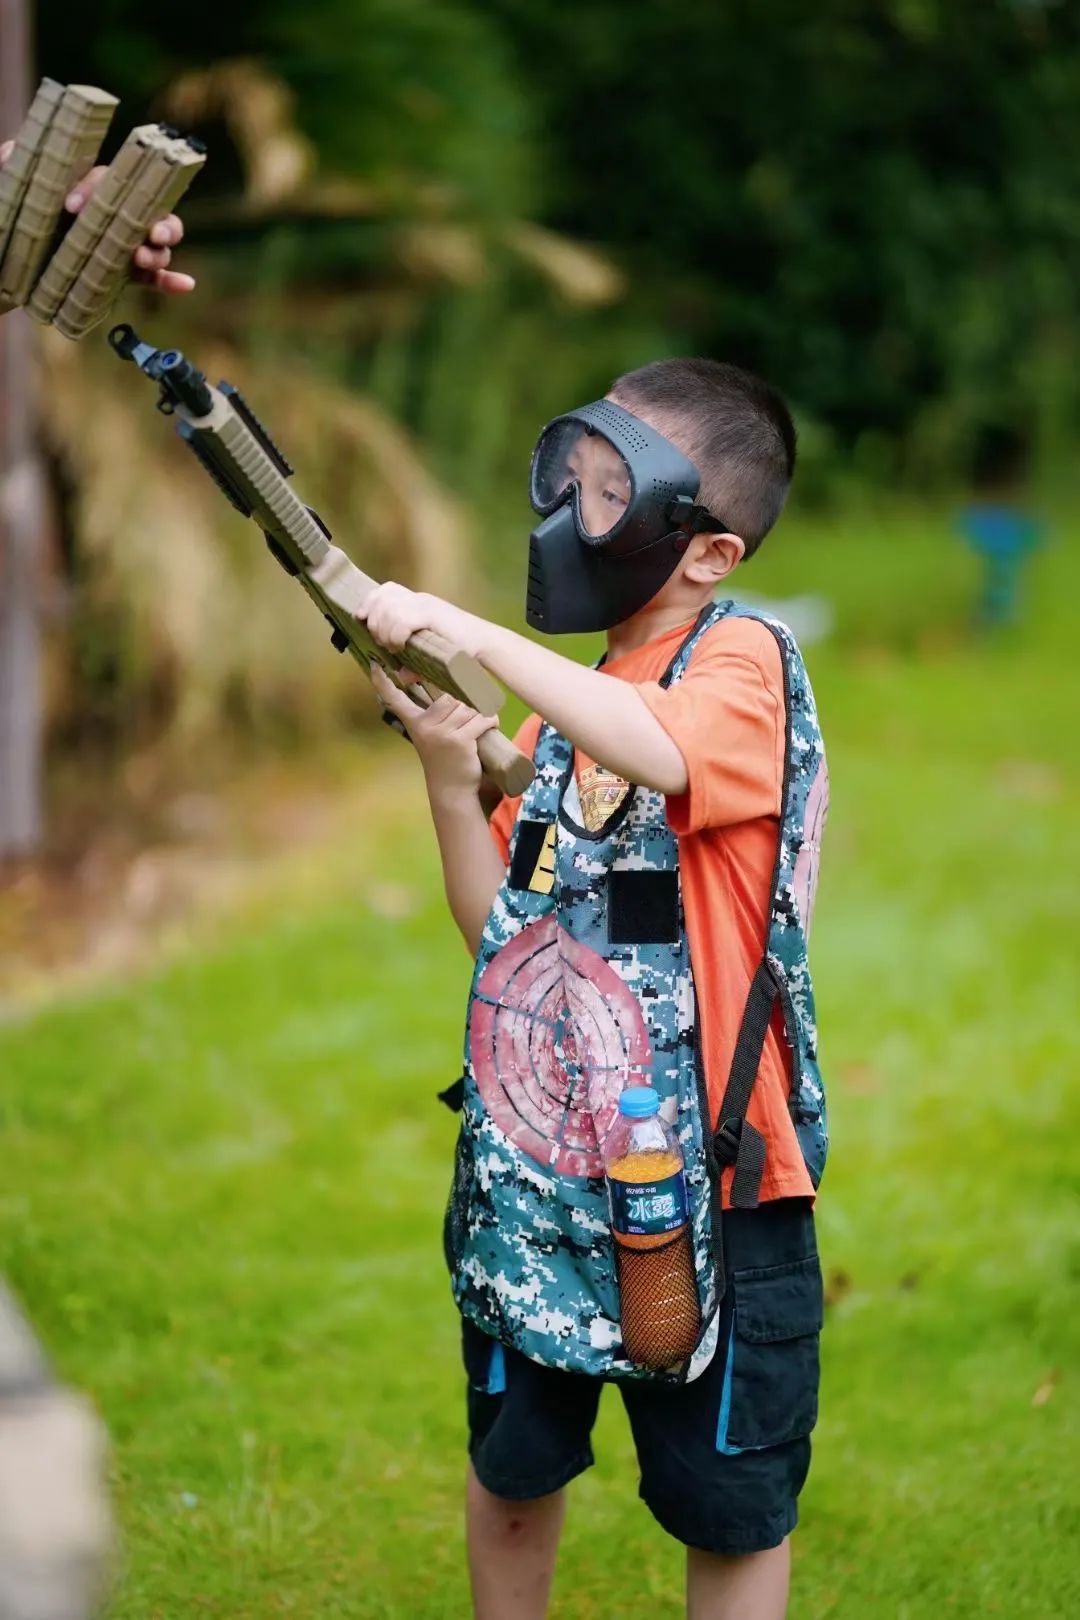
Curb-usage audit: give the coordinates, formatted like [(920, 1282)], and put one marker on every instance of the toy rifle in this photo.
[(237, 451)]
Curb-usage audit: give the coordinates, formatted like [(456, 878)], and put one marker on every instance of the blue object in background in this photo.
[(1004, 537)]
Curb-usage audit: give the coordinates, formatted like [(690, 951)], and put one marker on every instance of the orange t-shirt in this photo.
[(726, 715)]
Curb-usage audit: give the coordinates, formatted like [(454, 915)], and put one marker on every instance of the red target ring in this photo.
[(554, 1037)]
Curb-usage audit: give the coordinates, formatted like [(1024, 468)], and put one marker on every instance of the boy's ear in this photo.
[(711, 558)]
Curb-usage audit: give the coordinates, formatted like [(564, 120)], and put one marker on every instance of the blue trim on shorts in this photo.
[(496, 1382), (725, 1400)]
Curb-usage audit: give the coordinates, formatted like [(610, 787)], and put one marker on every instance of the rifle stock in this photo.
[(237, 451)]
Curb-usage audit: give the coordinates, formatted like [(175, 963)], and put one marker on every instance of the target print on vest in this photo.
[(554, 1037)]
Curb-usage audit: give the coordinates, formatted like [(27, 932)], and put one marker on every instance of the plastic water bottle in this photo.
[(659, 1308)]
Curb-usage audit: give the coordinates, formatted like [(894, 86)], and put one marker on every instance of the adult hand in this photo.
[(151, 260), (445, 736)]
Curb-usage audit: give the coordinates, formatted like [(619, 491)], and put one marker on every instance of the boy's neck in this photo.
[(654, 620)]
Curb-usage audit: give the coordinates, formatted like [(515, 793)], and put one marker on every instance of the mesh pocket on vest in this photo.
[(658, 1299)]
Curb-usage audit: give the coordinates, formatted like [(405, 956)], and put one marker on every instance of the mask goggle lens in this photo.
[(572, 463)]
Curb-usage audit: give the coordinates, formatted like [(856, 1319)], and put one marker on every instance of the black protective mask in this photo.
[(617, 502)]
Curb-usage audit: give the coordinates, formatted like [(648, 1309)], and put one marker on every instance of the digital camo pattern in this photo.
[(560, 1021)]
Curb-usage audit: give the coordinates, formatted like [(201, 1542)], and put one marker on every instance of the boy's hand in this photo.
[(607, 719), (393, 613), (151, 260), (445, 736)]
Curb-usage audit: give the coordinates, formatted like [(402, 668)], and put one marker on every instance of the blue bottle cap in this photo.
[(639, 1102)]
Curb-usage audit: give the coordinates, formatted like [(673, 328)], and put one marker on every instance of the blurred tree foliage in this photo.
[(872, 201), (407, 92)]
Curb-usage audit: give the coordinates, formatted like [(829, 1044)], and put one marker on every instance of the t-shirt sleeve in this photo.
[(726, 717), (504, 815)]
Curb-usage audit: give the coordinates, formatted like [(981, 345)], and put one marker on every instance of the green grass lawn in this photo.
[(223, 1186)]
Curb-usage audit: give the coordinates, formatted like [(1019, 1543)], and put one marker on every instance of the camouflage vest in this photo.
[(584, 985)]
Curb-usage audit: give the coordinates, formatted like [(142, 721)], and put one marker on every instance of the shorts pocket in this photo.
[(770, 1389)]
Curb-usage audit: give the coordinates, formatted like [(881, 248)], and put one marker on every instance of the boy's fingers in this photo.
[(478, 724), (6, 149), (82, 189), (445, 714), (440, 711), (462, 716), (393, 698)]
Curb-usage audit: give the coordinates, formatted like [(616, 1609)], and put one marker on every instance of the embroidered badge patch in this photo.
[(601, 793)]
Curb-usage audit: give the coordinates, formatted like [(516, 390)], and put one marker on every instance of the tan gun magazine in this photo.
[(71, 278)]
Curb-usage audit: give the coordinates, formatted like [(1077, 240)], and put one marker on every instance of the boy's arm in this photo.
[(607, 719), (445, 736)]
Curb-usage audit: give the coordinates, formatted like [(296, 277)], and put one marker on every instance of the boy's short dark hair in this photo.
[(736, 429)]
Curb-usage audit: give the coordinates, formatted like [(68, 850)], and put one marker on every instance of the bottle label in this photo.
[(648, 1208)]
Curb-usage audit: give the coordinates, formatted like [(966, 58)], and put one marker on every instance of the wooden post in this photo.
[(22, 512)]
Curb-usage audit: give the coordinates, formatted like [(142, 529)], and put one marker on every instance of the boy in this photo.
[(640, 917)]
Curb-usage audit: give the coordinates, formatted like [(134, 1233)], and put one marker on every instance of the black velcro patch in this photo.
[(643, 907), (528, 869)]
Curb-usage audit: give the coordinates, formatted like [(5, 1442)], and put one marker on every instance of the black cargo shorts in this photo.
[(722, 1459)]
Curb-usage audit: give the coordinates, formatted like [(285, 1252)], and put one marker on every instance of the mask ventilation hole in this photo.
[(613, 416)]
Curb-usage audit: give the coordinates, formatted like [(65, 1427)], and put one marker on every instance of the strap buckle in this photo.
[(726, 1139), (454, 1095)]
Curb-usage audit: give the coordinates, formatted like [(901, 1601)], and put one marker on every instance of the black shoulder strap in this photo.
[(666, 677), (736, 1141)]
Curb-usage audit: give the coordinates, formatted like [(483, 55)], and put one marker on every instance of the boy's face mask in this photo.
[(617, 500)]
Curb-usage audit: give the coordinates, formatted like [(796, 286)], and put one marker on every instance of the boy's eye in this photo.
[(617, 497)]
